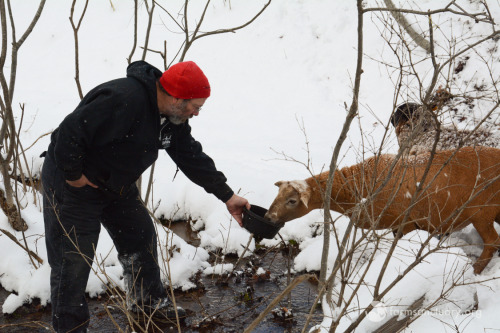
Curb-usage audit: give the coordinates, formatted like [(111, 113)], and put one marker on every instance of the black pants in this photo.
[(73, 218)]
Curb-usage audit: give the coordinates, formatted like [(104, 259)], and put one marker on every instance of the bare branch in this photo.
[(148, 30), (480, 17), (16, 45), (135, 34), (417, 38), (14, 239), (353, 110), (275, 301), (75, 34), (168, 13), (220, 31)]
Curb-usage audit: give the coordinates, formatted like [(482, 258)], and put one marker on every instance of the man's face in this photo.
[(181, 109)]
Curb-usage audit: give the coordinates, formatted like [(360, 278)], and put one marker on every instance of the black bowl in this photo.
[(254, 221)]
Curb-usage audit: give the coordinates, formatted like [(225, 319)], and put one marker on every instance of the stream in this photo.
[(218, 304)]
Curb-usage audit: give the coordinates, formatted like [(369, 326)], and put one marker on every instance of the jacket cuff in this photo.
[(223, 193)]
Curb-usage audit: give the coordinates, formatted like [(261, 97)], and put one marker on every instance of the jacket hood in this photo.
[(144, 73)]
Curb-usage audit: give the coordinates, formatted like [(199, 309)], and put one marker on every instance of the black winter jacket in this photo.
[(114, 135)]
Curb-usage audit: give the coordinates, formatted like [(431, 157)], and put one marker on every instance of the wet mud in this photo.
[(218, 304)]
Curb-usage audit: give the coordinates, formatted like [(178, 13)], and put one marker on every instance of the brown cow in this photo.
[(459, 189)]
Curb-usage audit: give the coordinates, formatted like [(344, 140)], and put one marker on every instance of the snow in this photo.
[(291, 69), (218, 269)]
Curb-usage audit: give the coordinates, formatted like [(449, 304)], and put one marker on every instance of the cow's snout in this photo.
[(271, 216)]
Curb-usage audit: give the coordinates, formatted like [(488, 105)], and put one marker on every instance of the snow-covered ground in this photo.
[(292, 68)]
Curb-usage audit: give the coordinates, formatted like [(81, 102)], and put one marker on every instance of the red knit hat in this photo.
[(185, 80)]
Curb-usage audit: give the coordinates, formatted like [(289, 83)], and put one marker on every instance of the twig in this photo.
[(148, 30), (150, 182), (75, 34), (477, 16), (135, 33), (41, 136), (189, 40), (17, 45), (288, 289), (236, 265), (112, 319), (31, 253), (353, 110), (417, 38), (220, 31)]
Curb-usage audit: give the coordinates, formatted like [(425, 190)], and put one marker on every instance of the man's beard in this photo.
[(177, 117), (177, 120)]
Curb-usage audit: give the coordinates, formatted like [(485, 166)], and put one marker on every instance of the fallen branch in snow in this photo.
[(396, 324), (14, 239)]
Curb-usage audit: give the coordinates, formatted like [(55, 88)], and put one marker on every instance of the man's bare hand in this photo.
[(81, 182), (235, 207)]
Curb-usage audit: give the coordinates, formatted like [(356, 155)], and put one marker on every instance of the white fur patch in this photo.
[(300, 185)]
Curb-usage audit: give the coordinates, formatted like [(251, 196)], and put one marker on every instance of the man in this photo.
[(93, 161)]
